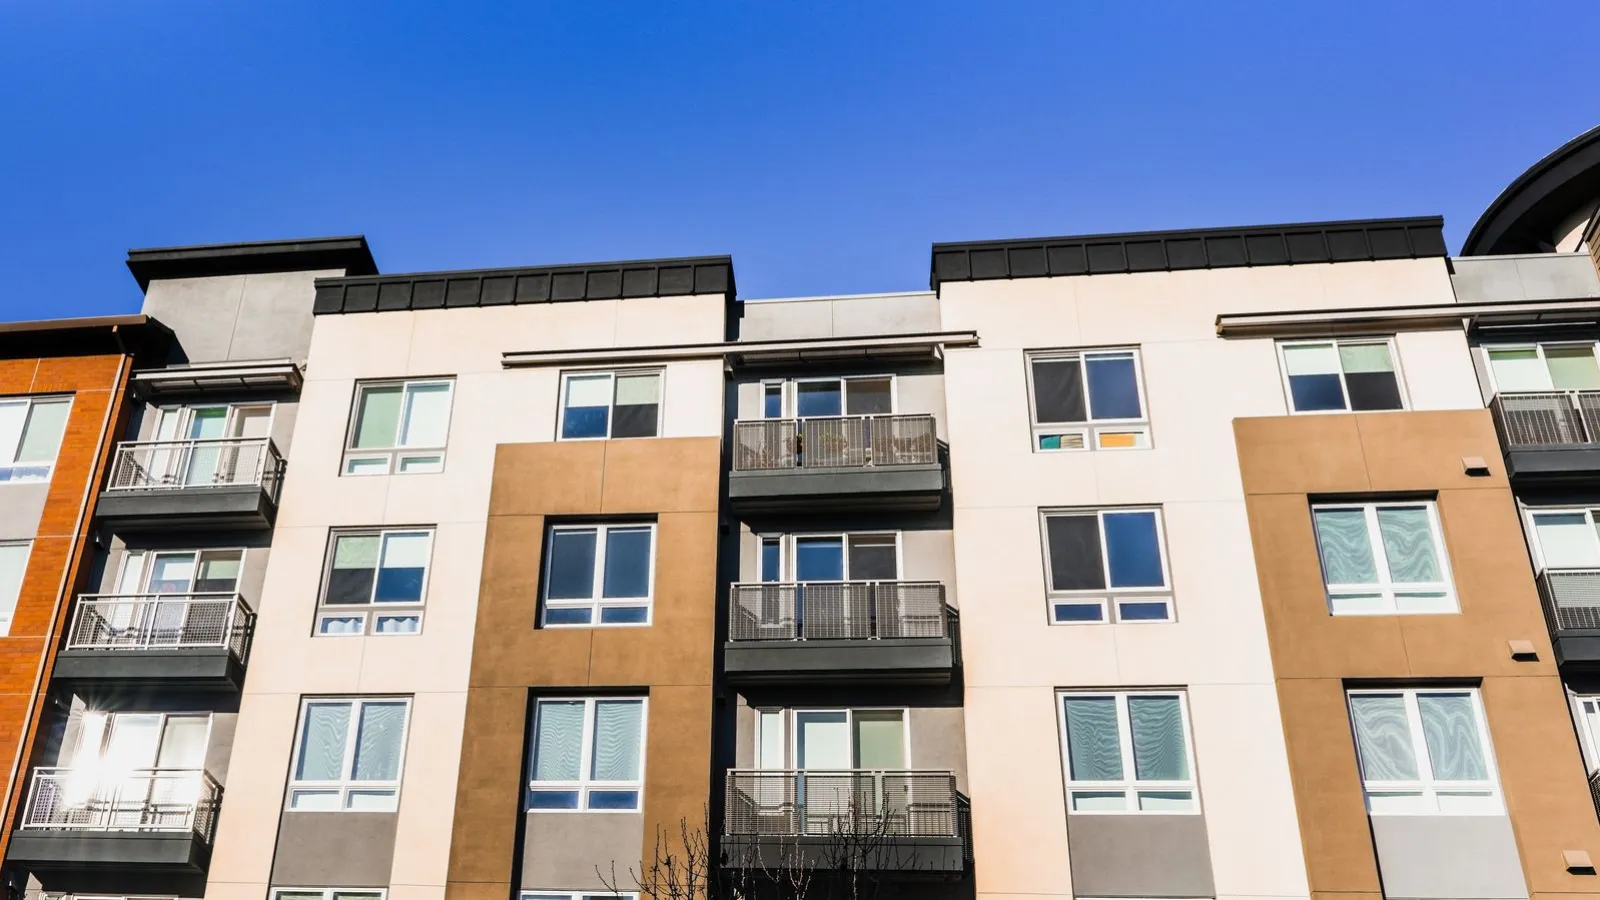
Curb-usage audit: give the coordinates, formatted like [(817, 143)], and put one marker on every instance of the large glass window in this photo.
[(1383, 558), (1128, 752), (1544, 367), (1106, 562), (13, 564), (599, 574), (1566, 539), (1424, 751), (808, 398), (1087, 400), (587, 754), (30, 436), (1340, 376), (579, 895), (597, 405), (348, 755), (399, 427), (832, 739), (376, 581), (328, 894)]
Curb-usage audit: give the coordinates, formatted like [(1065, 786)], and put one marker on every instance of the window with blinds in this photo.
[(1383, 558), (375, 582), (348, 755), (587, 754), (1341, 376), (1128, 752), (598, 574), (1424, 751), (399, 427), (602, 405), (30, 436)]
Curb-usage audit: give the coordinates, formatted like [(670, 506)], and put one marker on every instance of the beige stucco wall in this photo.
[(1196, 384), (491, 405)]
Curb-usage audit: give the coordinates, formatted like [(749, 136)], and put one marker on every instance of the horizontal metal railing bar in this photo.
[(146, 621), (837, 610), (865, 802), (1546, 418), (150, 799), (831, 442), (1571, 599), (196, 463)]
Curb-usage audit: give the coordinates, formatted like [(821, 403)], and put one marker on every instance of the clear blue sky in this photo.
[(824, 145)]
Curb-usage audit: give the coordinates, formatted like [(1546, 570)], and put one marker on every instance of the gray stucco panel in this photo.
[(1139, 856), (335, 849), (562, 851), (1448, 858)]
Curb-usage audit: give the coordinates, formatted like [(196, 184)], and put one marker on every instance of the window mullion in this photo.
[(597, 588), (348, 768), (1088, 401), (586, 747), (1105, 549), (1419, 740), (1125, 743), (1344, 383), (1380, 558)]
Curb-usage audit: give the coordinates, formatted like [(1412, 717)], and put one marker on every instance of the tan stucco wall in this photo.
[(1287, 460), (1195, 383), (491, 405)]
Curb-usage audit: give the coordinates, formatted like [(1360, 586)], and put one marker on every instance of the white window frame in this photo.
[(791, 394), (1380, 558), (586, 783), (1588, 740), (332, 893), (395, 456), (39, 472), (1129, 785), (1426, 786), (346, 782), (1110, 600), (611, 408), (145, 558), (1540, 564), (596, 603), (1538, 347), (597, 894), (1092, 430), (788, 552), (8, 604), (1344, 386), (371, 612), (791, 744)]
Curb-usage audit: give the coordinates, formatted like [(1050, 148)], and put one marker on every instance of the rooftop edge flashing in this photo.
[(1569, 169), (1350, 240), (349, 252), (463, 288), (132, 335)]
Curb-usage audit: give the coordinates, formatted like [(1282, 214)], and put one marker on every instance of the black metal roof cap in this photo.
[(1521, 217), (303, 255), (1202, 248)]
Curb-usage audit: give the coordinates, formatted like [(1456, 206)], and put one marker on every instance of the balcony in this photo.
[(222, 481), (141, 819), (909, 822), (1549, 436), (1571, 600), (841, 462), (192, 640), (856, 632)]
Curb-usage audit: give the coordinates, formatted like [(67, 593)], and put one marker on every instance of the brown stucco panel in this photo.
[(1286, 462)]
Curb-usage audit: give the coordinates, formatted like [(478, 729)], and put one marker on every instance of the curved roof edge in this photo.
[(1533, 203)]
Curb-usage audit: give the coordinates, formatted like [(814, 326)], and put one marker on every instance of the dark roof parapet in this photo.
[(255, 257), (1202, 248)]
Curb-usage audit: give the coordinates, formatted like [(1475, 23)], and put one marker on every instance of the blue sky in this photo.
[(824, 145)]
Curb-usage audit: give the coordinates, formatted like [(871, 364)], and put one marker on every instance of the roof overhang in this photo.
[(1520, 219), (1466, 316), (135, 335), (205, 378), (350, 254), (757, 353)]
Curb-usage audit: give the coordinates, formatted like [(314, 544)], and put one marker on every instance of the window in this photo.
[(1340, 376), (580, 895), (1544, 367), (328, 894), (832, 739), (30, 435), (116, 743), (856, 556), (1424, 751), (588, 754), (399, 427), (1566, 539), (13, 564), (1586, 709), (599, 574), (348, 755), (1101, 562), (180, 572), (598, 405), (1128, 752), (375, 582), (1383, 558), (806, 398), (1099, 391)]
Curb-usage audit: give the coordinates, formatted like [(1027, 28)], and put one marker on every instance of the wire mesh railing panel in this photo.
[(144, 621), (854, 804), (178, 465), (835, 442), (847, 610), (1534, 418), (134, 800), (1571, 598)]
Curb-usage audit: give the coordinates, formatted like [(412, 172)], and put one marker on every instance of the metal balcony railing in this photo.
[(834, 442), (1594, 790), (164, 800), (148, 621), (1542, 418), (837, 610), (179, 465), (1571, 599), (845, 802)]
